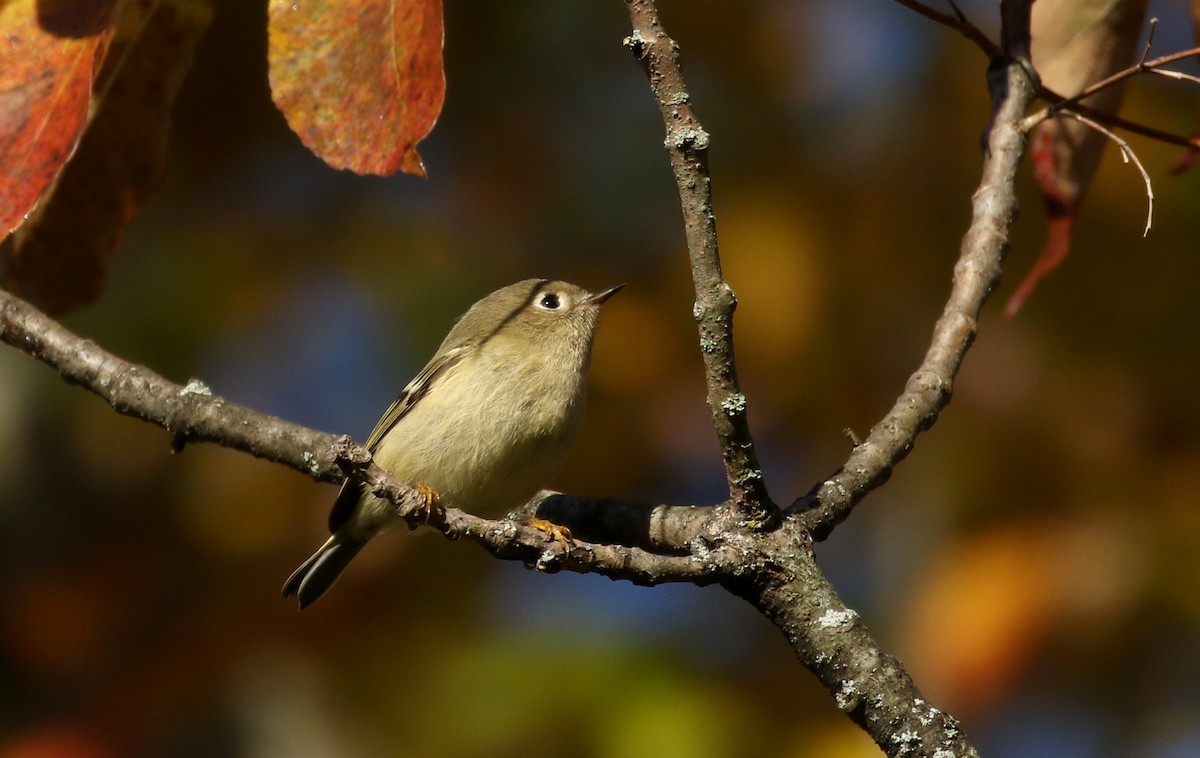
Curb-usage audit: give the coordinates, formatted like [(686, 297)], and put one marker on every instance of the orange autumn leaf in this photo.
[(359, 81), (48, 52), (980, 614)]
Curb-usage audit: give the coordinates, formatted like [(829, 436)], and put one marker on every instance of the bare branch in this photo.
[(958, 22), (777, 571), (193, 413), (1149, 42), (868, 685), (1059, 103), (1015, 23), (1179, 76), (1074, 101), (1127, 155), (1114, 121), (687, 144), (190, 413), (512, 541), (976, 274)]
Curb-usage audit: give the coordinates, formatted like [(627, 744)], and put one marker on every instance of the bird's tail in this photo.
[(318, 573)]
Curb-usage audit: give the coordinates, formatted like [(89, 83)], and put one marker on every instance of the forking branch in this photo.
[(1143, 66), (976, 274), (773, 569), (959, 22)]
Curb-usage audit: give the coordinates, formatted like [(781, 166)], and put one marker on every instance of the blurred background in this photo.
[(1035, 562)]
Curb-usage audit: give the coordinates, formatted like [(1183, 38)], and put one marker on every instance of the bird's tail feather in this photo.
[(318, 573)]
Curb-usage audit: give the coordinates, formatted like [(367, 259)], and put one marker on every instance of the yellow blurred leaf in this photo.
[(978, 615)]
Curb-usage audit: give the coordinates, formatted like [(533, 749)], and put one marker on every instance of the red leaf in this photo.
[(359, 81), (1190, 157), (1075, 44), (1060, 214), (47, 54), (59, 258), (1187, 157)]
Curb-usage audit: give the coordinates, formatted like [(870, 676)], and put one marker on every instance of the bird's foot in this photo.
[(553, 532), (431, 508)]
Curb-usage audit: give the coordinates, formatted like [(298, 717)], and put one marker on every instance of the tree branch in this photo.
[(1128, 156), (976, 274), (193, 413), (772, 568), (687, 144), (777, 572), (1141, 67), (868, 685), (1113, 120), (958, 22), (190, 413)]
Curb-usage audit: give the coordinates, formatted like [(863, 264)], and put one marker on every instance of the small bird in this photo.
[(485, 425)]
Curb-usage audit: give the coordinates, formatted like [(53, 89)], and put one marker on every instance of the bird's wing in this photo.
[(420, 386), (416, 389)]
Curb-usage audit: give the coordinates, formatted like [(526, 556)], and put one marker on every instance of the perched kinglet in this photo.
[(486, 423)]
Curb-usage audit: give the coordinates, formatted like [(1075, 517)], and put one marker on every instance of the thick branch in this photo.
[(977, 273), (667, 529), (687, 144), (868, 685), (776, 572)]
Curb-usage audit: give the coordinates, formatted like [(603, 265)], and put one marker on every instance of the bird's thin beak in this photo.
[(597, 298)]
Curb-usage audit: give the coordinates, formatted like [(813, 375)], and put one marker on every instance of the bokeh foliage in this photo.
[(1033, 562)]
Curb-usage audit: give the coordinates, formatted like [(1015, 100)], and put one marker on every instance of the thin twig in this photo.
[(1128, 156), (1064, 103), (1060, 103), (958, 22), (1149, 42), (957, 11), (1113, 121), (1177, 75), (687, 143), (976, 274)]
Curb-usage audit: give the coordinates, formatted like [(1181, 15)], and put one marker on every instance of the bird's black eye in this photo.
[(549, 301)]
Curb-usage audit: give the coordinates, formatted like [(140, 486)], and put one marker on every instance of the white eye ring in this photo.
[(549, 301)]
